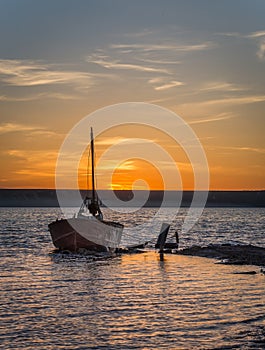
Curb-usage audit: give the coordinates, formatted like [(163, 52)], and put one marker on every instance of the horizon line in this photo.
[(134, 190)]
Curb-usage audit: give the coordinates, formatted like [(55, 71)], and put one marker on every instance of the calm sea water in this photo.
[(55, 301)]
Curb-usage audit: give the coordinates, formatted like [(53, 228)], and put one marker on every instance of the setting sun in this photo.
[(136, 174)]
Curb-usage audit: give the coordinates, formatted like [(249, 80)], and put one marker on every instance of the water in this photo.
[(56, 301)]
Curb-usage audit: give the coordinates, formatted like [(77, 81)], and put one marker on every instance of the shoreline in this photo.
[(154, 198)]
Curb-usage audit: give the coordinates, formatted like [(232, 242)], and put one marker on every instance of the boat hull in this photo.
[(85, 233)]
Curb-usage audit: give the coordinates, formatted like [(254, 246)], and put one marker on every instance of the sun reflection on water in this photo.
[(56, 301)]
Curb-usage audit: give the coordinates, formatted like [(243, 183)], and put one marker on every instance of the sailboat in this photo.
[(87, 229)]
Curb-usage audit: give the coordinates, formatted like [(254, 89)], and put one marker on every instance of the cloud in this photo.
[(221, 86), (230, 34), (203, 108), (111, 165), (143, 33), (44, 95), (159, 100), (115, 64), (236, 100), (246, 149), (252, 149), (165, 85), (251, 35), (260, 37), (258, 34), (163, 47), (261, 51), (159, 61), (143, 57), (33, 164), (110, 141), (12, 127), (15, 127), (169, 85), (5, 98), (34, 156), (217, 118), (34, 73)]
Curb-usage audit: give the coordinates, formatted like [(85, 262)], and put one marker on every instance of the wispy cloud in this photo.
[(34, 164), (6, 98), (160, 84), (257, 34), (222, 86), (260, 37), (252, 149), (261, 51), (145, 56), (30, 73), (15, 127), (165, 47), (12, 127), (236, 100), (34, 154), (112, 165), (40, 96), (34, 73), (143, 33), (160, 100), (245, 149), (170, 85), (214, 118), (230, 34), (159, 61), (110, 141), (116, 64)]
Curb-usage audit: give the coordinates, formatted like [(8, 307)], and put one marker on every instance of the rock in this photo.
[(231, 254), (245, 273)]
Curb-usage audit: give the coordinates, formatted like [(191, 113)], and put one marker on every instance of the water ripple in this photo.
[(56, 301)]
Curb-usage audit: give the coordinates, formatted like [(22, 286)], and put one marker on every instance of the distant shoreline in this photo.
[(48, 198)]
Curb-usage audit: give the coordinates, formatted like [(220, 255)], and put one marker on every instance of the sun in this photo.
[(136, 174)]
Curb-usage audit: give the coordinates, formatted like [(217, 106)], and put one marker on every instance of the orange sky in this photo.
[(67, 62)]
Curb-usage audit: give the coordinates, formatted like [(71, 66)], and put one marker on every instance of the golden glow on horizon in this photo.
[(230, 168), (135, 173)]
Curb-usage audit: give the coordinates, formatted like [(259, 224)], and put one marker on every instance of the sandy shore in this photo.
[(229, 254)]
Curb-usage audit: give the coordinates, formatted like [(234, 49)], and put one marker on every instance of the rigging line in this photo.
[(96, 178), (87, 177)]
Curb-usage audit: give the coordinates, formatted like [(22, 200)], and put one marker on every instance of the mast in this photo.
[(92, 204), (93, 165)]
